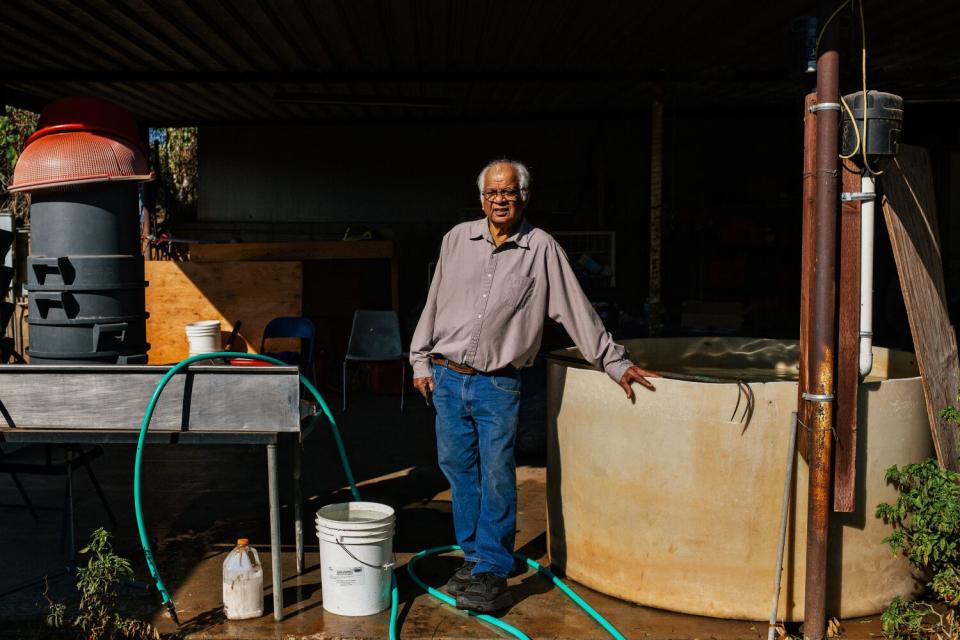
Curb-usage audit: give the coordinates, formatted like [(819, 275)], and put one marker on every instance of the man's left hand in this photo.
[(636, 374)]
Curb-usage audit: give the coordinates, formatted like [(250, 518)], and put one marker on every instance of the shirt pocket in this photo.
[(517, 290)]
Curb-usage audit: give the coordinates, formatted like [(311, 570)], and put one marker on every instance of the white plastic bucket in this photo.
[(356, 557), (203, 336)]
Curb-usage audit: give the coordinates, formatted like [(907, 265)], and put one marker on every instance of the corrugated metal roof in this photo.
[(179, 62)]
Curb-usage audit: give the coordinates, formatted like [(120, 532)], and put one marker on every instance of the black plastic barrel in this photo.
[(884, 121), (85, 276)]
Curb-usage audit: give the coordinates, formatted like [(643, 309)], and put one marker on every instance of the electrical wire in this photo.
[(861, 145), (863, 77), (816, 47)]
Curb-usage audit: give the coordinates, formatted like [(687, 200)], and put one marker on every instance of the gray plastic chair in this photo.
[(375, 337)]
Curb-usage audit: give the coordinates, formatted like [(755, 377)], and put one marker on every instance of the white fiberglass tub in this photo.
[(673, 502)]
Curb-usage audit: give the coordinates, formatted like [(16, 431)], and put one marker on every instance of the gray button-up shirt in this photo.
[(486, 303)]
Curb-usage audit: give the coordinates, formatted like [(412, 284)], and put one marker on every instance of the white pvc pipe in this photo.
[(867, 185)]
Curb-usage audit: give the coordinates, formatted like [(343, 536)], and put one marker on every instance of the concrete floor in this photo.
[(200, 498)]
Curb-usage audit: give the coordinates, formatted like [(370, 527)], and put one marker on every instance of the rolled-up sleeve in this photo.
[(568, 305), (422, 343)]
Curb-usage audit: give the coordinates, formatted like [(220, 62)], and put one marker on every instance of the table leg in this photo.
[(298, 504), (275, 551), (69, 514)]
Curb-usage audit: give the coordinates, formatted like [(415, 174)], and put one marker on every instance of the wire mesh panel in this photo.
[(593, 256)]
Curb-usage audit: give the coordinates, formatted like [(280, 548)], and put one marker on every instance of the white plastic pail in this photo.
[(356, 557), (203, 336)]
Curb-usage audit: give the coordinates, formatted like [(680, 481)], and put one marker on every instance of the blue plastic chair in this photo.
[(375, 337), (293, 327)]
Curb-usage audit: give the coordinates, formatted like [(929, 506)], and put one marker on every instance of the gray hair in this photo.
[(523, 176)]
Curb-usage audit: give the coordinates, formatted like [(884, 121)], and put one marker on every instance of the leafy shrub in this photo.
[(926, 521), (98, 615)]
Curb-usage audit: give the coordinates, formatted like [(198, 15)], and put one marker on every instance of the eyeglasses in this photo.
[(510, 195)]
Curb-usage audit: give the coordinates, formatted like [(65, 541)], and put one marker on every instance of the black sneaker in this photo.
[(486, 592), (458, 582)]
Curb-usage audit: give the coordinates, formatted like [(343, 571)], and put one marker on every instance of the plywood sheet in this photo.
[(184, 292), (909, 209), (314, 250)]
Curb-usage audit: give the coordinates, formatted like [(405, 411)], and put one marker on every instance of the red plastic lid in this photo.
[(83, 113), (81, 140), (249, 362)]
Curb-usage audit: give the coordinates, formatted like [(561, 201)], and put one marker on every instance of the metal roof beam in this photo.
[(438, 77)]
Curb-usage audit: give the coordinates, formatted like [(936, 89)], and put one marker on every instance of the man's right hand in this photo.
[(424, 385)]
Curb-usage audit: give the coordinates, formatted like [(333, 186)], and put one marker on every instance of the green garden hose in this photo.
[(151, 407), (394, 591), (500, 624)]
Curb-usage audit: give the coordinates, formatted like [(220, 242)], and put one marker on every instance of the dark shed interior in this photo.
[(319, 116)]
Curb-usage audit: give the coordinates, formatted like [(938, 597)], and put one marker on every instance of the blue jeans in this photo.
[(476, 431)]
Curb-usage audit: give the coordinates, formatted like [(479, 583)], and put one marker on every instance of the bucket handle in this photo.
[(385, 567)]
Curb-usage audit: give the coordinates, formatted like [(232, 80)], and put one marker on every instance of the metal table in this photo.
[(191, 411)]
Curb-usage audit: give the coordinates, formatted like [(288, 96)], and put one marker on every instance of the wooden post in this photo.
[(656, 210), (806, 269), (848, 347)]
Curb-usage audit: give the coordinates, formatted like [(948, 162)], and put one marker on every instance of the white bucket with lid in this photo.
[(356, 557), (203, 336)]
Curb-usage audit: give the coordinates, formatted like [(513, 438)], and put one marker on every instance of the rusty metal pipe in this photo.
[(820, 396)]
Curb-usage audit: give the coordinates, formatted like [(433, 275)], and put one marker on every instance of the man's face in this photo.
[(502, 202)]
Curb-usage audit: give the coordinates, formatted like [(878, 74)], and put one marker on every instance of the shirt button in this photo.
[(479, 315), (489, 275), (484, 295)]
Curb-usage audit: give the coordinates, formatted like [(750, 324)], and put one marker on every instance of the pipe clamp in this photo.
[(854, 196), (818, 397), (866, 334), (825, 106)]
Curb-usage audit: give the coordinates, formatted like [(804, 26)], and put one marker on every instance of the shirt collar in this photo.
[(521, 238)]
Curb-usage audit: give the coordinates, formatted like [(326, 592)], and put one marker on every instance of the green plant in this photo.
[(177, 161), (16, 125), (926, 521), (98, 614), (951, 414)]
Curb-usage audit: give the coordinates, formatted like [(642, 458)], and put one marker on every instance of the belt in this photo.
[(467, 370)]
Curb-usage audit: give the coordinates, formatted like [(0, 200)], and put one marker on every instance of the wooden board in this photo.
[(848, 346), (806, 270), (260, 399), (306, 252), (184, 292), (314, 250), (909, 209)]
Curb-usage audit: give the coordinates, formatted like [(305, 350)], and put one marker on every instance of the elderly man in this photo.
[(495, 281)]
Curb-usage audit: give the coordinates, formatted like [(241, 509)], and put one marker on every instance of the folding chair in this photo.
[(293, 327), (375, 337)]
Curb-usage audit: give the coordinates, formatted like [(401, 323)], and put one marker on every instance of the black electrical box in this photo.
[(884, 120)]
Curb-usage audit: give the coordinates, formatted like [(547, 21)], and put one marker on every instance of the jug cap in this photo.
[(243, 542)]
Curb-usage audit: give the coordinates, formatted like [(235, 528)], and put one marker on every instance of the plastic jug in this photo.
[(242, 583)]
